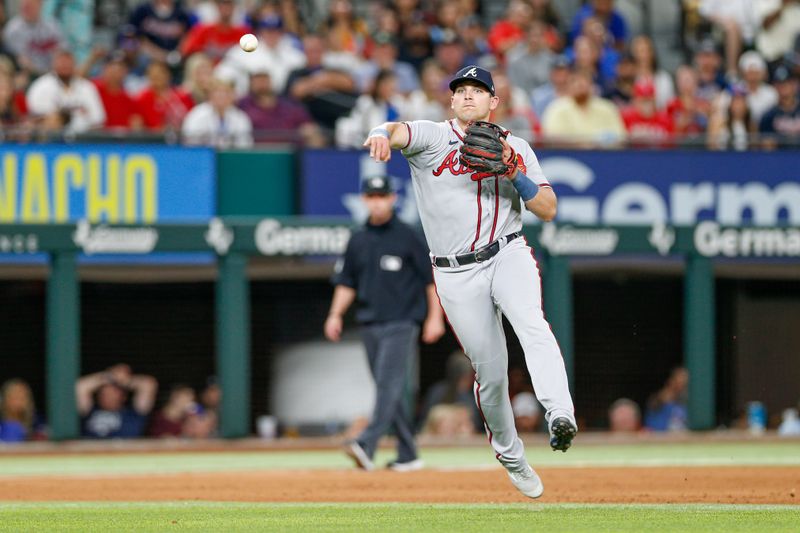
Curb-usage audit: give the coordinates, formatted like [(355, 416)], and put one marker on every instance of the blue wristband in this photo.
[(526, 188), (381, 132)]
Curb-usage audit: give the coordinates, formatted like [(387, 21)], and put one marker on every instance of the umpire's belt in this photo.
[(483, 254)]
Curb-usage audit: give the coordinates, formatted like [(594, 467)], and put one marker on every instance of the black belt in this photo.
[(484, 254)]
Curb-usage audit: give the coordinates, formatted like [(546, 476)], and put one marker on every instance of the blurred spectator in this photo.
[(17, 412), (415, 41), (586, 58), (455, 389), (381, 105), (782, 122), (326, 92), (601, 58), (643, 120), (731, 124), (761, 97), (451, 54), (169, 420), (583, 118), (276, 52), (449, 420), (128, 43), (102, 402), (473, 36), (62, 100), (666, 409), (162, 106), (780, 25), (432, 100), (120, 107), (76, 21), (689, 113), (512, 29), (789, 427), (544, 11), (624, 416), (199, 424), (384, 57), (529, 62), (710, 80), (384, 20), (527, 413), (218, 122), (216, 38), (205, 12), (275, 118), (160, 26), (513, 111), (557, 87), (518, 381), (198, 74), (293, 21), (211, 396), (14, 124), (32, 38), (345, 30), (738, 22), (448, 14), (646, 60), (612, 20), (621, 93)]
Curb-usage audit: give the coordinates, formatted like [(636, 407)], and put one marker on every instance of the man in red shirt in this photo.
[(121, 110), (214, 39), (643, 120)]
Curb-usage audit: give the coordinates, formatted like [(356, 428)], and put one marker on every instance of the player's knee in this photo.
[(492, 380)]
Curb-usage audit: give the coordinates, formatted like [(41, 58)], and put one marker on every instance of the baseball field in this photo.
[(690, 484)]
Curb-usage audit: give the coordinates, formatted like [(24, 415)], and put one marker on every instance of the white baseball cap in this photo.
[(752, 60)]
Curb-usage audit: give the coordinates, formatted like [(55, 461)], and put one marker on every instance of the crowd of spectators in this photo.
[(325, 72), (116, 403)]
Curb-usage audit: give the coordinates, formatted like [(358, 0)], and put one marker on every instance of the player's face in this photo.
[(472, 102)]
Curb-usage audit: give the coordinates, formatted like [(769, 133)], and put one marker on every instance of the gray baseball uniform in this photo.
[(460, 215)]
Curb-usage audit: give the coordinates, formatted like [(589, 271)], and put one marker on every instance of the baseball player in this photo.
[(483, 268)]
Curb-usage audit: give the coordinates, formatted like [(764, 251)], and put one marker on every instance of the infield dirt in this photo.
[(728, 485)]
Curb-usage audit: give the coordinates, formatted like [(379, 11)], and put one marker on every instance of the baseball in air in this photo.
[(248, 42)]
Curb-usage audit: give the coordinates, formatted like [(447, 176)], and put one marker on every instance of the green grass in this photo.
[(212, 516), (651, 454)]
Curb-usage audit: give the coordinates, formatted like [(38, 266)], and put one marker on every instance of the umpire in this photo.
[(386, 269)]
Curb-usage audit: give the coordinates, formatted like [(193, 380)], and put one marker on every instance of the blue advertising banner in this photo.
[(599, 188), (106, 183)]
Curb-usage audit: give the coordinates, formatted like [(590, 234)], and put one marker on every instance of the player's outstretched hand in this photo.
[(379, 148), (333, 328)]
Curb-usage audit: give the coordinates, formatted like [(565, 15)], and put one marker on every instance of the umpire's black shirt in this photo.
[(389, 267)]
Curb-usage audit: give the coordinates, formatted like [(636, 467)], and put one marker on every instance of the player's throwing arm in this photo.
[(383, 138)]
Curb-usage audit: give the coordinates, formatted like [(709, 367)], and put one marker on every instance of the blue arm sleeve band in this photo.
[(526, 188), (382, 132)]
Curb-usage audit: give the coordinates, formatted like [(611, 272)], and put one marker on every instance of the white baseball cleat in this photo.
[(359, 456), (527, 481), (407, 466)]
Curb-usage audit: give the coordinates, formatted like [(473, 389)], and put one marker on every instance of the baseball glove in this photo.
[(482, 151)]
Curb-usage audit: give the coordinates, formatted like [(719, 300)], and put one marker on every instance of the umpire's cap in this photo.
[(377, 185), (473, 73)]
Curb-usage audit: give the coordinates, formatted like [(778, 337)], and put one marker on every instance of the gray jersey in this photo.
[(460, 214)]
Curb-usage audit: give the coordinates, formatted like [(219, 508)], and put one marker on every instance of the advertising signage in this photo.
[(42, 184), (602, 188)]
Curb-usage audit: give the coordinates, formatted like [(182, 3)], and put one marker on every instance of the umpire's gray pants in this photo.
[(390, 347)]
